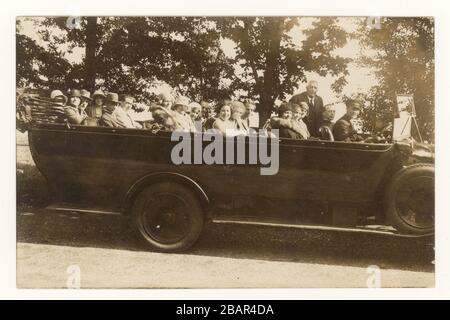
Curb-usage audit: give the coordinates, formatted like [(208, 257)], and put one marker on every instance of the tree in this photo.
[(132, 54), (403, 59), (272, 65), (38, 67)]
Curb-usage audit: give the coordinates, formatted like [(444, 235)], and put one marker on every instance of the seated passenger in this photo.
[(74, 113), (108, 118), (326, 127), (343, 129), (195, 111), (223, 124), (162, 121), (238, 111), (208, 115), (251, 116), (95, 109), (287, 126), (181, 118), (299, 112), (122, 116), (58, 97), (165, 100), (85, 99)]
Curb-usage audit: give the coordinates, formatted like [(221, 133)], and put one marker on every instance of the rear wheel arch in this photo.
[(159, 177)]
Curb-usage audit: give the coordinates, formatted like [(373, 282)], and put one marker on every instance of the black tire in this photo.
[(409, 200), (167, 217)]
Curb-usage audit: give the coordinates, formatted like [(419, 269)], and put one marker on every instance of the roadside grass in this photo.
[(32, 188)]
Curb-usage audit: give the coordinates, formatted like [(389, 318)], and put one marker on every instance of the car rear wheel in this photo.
[(409, 200), (167, 217)]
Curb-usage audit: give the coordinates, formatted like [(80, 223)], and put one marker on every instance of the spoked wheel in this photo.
[(167, 217), (410, 200)]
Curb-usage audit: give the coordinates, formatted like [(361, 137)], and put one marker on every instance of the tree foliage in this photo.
[(273, 65), (133, 53), (403, 59)]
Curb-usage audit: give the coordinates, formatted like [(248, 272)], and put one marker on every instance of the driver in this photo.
[(343, 129)]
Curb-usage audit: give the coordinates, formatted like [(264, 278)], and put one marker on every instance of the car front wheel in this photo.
[(409, 200)]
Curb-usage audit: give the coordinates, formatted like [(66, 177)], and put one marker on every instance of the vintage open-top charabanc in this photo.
[(362, 187)]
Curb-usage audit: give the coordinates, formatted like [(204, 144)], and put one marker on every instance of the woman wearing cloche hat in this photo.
[(95, 109)]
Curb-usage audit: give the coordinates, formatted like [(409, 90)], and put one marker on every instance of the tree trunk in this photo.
[(91, 48), (271, 81)]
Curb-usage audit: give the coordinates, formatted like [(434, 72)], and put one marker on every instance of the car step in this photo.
[(369, 229), (81, 209)]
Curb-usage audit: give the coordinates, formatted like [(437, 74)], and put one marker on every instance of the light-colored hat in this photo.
[(195, 105), (56, 94), (237, 105), (182, 100), (98, 93), (86, 94), (112, 97)]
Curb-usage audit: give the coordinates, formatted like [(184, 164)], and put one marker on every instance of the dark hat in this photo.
[(86, 94), (284, 107), (354, 103), (75, 93), (112, 97)]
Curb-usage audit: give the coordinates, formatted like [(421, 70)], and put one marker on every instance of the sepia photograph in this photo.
[(225, 152)]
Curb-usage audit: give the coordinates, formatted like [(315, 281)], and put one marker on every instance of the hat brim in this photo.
[(98, 96), (64, 97)]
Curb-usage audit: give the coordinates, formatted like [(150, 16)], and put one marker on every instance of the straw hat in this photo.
[(182, 101), (56, 94)]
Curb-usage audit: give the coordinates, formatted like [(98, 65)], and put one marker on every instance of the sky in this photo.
[(358, 80)]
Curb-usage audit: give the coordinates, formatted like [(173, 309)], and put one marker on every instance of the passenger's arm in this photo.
[(217, 126), (73, 116), (277, 122)]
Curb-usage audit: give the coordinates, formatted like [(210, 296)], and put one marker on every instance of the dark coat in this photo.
[(314, 118), (343, 130)]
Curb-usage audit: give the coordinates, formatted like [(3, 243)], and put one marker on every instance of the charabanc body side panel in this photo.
[(100, 165)]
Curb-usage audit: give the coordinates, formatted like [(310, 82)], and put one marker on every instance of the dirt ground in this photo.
[(108, 255)]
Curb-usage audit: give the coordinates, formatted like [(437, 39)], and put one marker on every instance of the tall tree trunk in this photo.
[(271, 82), (91, 48)]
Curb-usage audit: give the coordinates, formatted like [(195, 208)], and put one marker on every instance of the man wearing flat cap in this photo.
[(343, 129)]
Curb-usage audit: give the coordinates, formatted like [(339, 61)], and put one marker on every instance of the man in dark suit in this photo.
[(315, 104), (343, 129)]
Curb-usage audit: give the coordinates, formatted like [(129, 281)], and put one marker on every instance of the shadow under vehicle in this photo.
[(385, 188)]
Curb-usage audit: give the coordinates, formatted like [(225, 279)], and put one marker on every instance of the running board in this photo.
[(383, 230), (74, 209)]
